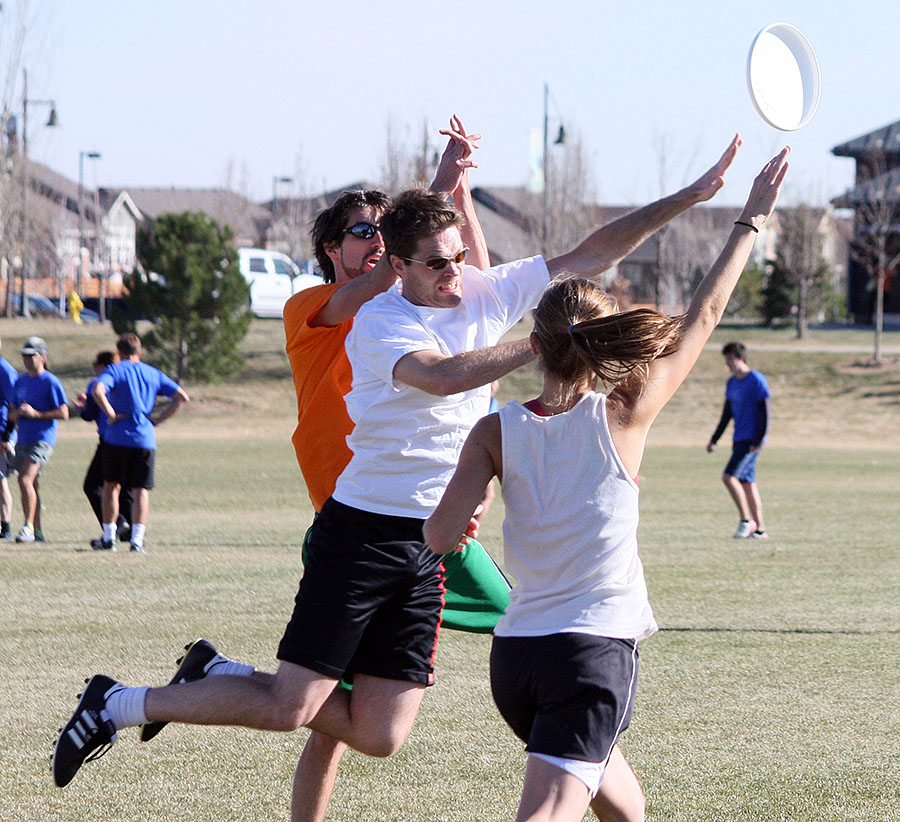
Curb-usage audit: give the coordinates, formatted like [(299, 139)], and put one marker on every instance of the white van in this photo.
[(273, 278)]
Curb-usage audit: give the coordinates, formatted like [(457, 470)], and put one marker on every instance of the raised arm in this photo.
[(708, 304), (353, 295), (452, 177), (616, 240)]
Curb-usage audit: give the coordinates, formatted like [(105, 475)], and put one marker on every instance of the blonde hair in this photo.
[(580, 333)]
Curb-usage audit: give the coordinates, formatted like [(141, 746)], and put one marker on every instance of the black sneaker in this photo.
[(123, 531), (5, 532), (90, 729), (137, 549), (103, 544), (199, 657)]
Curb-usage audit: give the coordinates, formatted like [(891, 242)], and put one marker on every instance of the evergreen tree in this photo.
[(187, 283)]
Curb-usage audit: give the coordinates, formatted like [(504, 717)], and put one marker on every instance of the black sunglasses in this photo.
[(440, 263), (365, 231)]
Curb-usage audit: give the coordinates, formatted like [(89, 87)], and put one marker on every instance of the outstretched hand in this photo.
[(765, 189), (456, 159), (706, 186)]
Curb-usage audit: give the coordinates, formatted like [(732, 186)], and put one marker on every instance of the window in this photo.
[(281, 267), (257, 265)]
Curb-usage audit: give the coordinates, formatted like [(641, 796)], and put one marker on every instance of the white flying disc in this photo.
[(783, 76)]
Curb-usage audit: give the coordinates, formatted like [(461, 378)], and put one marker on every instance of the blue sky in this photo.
[(177, 92)]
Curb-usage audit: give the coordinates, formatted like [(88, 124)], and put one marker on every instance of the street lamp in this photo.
[(91, 155), (560, 140), (23, 228), (275, 181)]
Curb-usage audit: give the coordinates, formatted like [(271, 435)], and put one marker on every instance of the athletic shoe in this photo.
[(744, 529), (199, 657), (26, 534), (90, 729), (5, 533), (137, 549), (760, 535), (123, 531), (103, 544), (39, 536)]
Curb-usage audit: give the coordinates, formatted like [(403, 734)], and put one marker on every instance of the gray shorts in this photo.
[(38, 452)]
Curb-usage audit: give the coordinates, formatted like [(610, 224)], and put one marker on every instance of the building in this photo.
[(875, 200)]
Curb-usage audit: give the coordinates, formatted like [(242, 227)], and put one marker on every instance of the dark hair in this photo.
[(579, 333), (328, 229), (734, 349), (128, 345), (414, 215), (106, 358)]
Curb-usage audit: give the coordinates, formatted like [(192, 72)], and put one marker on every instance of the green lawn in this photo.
[(769, 694)]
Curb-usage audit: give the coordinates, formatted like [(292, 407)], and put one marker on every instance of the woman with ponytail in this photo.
[(564, 656)]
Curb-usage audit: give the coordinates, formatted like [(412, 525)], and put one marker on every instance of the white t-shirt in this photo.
[(570, 532), (406, 442)]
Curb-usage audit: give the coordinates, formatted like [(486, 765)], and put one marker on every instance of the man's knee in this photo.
[(383, 742)]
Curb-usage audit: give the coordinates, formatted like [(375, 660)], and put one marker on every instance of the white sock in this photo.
[(222, 665), (126, 707), (109, 531), (137, 533)]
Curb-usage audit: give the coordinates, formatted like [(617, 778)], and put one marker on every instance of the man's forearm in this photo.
[(463, 372), (471, 232)]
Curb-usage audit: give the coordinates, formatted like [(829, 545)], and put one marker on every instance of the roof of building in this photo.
[(883, 188), (884, 140), (247, 219)]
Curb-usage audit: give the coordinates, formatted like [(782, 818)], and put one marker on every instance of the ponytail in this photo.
[(619, 345)]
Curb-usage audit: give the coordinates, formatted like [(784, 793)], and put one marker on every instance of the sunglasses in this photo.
[(440, 263), (364, 231)]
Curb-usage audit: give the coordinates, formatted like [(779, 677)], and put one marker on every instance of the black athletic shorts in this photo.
[(370, 598), (568, 695), (128, 467)]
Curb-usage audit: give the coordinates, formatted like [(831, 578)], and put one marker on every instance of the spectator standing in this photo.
[(86, 407), (747, 401), (39, 404), (126, 392), (8, 377)]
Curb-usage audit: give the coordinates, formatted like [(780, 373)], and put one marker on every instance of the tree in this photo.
[(187, 283), (876, 237), (799, 277)]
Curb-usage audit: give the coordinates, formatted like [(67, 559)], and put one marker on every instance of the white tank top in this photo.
[(570, 532)]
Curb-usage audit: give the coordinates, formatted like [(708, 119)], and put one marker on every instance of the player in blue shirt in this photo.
[(126, 392), (747, 402), (8, 377), (39, 404), (86, 407)]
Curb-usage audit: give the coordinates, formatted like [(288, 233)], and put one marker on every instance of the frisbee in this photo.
[(783, 76)]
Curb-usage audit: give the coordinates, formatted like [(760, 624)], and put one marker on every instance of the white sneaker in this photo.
[(26, 534), (744, 529), (760, 535)]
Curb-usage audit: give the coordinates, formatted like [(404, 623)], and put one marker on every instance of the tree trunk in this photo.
[(879, 312), (802, 301)]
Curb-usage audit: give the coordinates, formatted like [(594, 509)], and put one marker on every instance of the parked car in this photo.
[(273, 279)]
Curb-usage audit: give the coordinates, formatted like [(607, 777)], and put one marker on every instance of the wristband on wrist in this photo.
[(749, 225)]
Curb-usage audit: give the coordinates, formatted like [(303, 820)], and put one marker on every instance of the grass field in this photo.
[(769, 694)]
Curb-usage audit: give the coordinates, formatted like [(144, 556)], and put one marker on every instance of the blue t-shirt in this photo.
[(132, 389), (44, 392), (8, 377), (91, 412), (744, 396)]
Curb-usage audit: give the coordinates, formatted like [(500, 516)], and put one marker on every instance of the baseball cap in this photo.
[(34, 345)]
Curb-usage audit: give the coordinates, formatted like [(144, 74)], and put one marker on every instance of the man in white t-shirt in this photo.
[(424, 354)]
